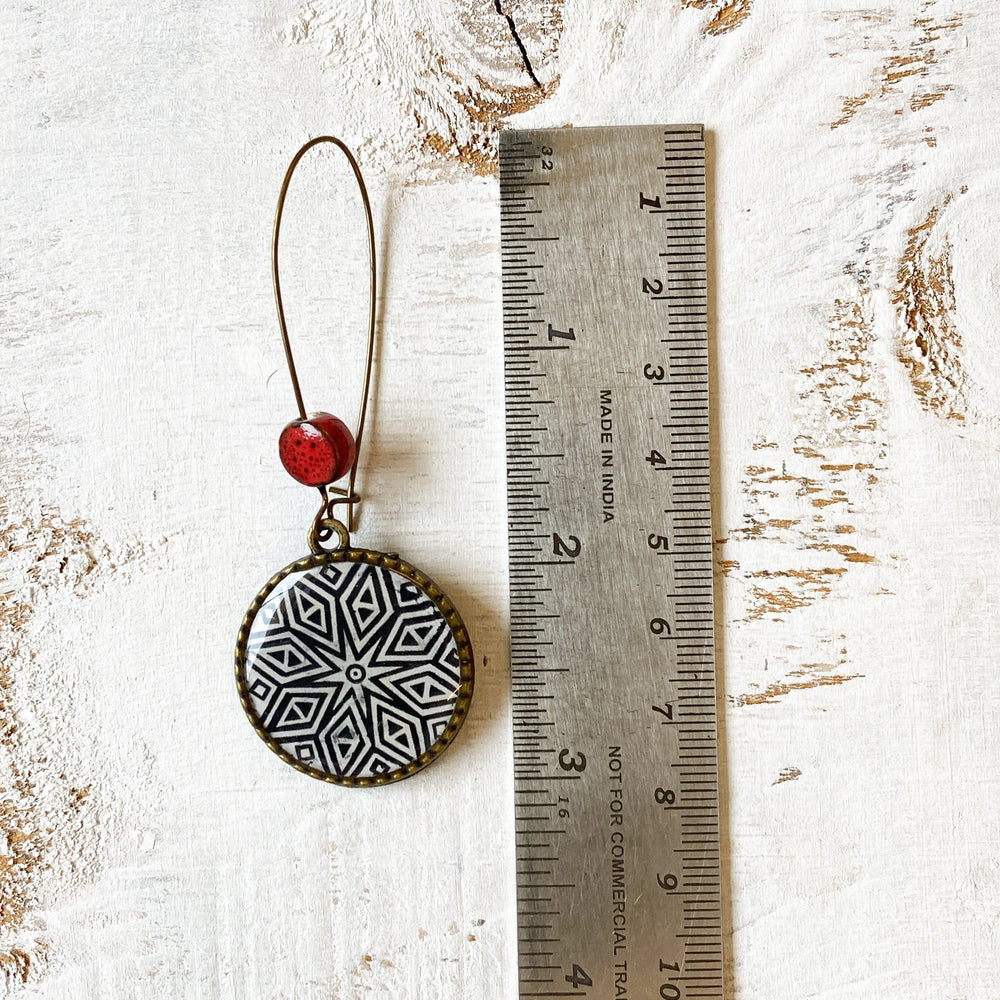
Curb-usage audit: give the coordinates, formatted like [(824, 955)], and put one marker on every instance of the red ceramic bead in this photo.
[(317, 451)]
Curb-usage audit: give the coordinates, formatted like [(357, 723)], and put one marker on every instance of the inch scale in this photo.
[(610, 530)]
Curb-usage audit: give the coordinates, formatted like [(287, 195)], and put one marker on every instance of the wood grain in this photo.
[(149, 845), (450, 74), (726, 14), (931, 349), (49, 819)]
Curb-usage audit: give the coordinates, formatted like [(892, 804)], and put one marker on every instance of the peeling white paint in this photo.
[(142, 395)]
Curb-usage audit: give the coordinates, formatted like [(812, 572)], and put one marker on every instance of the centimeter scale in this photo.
[(610, 530)]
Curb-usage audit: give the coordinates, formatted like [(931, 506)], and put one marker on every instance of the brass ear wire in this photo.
[(309, 600), (325, 524)]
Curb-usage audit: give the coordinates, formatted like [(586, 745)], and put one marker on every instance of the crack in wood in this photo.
[(449, 75), (518, 42)]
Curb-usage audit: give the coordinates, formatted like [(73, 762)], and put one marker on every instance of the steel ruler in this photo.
[(619, 885)]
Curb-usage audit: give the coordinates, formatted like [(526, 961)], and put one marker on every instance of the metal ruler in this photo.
[(610, 528)]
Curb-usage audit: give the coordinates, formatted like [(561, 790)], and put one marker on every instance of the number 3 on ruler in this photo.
[(572, 762)]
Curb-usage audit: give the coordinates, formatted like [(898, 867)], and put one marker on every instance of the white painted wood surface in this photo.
[(150, 846)]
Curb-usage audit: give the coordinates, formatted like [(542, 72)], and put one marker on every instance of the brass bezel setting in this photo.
[(393, 563)]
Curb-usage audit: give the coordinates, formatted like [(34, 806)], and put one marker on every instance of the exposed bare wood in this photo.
[(726, 14), (149, 844), (931, 347)]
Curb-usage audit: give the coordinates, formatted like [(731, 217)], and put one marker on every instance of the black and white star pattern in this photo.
[(351, 669)]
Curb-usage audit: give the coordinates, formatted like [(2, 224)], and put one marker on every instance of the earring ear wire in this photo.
[(325, 523)]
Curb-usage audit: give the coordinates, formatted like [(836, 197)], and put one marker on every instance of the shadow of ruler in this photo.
[(610, 530)]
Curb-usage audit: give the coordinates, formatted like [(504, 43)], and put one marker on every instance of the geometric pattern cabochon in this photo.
[(356, 668)]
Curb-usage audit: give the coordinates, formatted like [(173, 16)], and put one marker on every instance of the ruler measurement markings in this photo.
[(533, 529)]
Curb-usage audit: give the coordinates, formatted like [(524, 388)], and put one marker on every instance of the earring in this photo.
[(352, 665)]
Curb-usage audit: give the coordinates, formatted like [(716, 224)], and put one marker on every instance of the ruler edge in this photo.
[(508, 137)]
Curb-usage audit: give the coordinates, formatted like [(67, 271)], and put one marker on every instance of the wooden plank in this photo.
[(150, 845)]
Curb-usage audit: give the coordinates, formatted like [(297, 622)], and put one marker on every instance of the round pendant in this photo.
[(354, 667)]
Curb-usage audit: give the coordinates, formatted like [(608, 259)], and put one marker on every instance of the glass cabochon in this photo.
[(354, 667)]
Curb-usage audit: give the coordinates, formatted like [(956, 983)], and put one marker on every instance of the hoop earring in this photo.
[(352, 665)]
